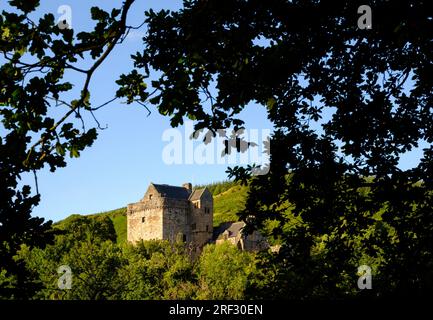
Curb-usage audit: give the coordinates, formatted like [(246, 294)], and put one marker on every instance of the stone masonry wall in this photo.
[(144, 218), (202, 220), (176, 220), (144, 222)]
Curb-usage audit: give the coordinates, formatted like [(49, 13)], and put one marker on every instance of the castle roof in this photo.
[(232, 228), (196, 194), (173, 192)]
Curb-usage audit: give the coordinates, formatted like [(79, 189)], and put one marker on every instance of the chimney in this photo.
[(187, 186)]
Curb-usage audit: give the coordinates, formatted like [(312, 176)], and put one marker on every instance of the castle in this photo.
[(183, 214), (172, 213)]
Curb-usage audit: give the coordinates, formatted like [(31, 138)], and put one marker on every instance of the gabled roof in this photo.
[(173, 192), (196, 194), (233, 229)]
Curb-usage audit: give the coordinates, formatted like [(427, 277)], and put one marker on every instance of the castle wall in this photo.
[(202, 219), (144, 218), (144, 222), (176, 220), (255, 242)]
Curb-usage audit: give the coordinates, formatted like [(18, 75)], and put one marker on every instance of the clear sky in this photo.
[(127, 156)]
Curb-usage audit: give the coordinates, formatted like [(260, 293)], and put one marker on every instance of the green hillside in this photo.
[(229, 198), (228, 203)]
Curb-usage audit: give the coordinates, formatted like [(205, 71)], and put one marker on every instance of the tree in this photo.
[(346, 104), (224, 272), (81, 228), (158, 270), (35, 57), (88, 251)]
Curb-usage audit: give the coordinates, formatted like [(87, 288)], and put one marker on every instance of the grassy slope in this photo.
[(229, 198), (228, 203), (118, 217)]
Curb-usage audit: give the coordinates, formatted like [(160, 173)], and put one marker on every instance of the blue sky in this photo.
[(127, 156)]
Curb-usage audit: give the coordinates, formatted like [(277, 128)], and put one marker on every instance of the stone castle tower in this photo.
[(172, 213)]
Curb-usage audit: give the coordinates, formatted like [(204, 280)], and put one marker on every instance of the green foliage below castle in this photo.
[(102, 269)]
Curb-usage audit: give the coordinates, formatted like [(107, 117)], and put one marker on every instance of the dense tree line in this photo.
[(102, 269)]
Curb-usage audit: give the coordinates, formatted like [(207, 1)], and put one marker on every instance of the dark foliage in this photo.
[(31, 136), (303, 60)]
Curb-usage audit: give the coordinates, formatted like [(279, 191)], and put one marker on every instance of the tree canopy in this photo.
[(346, 104), (35, 56)]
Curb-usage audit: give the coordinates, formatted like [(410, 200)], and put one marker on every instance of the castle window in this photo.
[(143, 219), (207, 228), (194, 226), (184, 238), (150, 196)]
